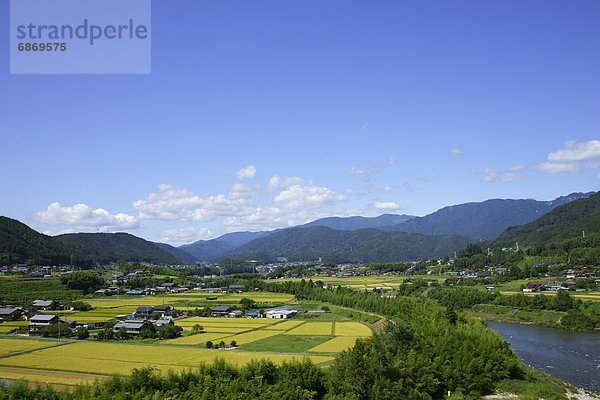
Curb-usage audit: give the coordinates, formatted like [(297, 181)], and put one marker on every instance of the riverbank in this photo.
[(539, 385), (572, 357), (492, 312)]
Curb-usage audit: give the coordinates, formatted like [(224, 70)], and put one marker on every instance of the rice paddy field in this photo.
[(74, 362), (9, 326)]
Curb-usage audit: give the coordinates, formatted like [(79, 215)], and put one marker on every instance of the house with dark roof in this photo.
[(220, 311), (131, 327), (237, 288), (146, 312), (11, 313)]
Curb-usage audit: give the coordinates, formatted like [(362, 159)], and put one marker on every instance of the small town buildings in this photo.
[(236, 313), (146, 312), (532, 287), (40, 321), (252, 314)]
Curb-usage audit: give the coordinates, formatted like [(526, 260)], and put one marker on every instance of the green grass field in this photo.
[(287, 343)]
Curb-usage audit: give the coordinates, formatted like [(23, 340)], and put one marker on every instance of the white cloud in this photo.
[(277, 182), (185, 235), (574, 151), (302, 196), (491, 175), (456, 151), (363, 173), (173, 203), (82, 217), (248, 172), (555, 167), (388, 206)]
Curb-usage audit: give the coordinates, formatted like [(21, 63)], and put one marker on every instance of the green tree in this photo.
[(82, 333), (563, 301), (147, 331), (209, 345), (247, 304), (86, 281)]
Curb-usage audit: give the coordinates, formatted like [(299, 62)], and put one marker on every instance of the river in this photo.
[(573, 357)]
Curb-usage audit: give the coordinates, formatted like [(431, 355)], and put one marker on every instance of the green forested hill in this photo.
[(107, 247), (561, 226), (21, 244), (485, 220), (338, 246)]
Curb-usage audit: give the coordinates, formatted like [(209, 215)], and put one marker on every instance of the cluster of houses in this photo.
[(37, 320), (158, 316), (282, 312)]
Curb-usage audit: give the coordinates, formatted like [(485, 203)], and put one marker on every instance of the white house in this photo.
[(281, 314)]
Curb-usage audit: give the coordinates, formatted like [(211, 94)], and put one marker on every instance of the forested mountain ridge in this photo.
[(333, 245), (483, 220), (109, 247), (21, 244), (565, 223)]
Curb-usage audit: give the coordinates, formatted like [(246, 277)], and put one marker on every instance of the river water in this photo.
[(573, 357)]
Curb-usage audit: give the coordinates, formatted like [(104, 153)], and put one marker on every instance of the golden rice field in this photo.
[(335, 345), (48, 377), (199, 339), (10, 345), (7, 327), (285, 325), (312, 329), (121, 358), (60, 363), (353, 329)]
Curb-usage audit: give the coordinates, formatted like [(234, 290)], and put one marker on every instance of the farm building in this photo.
[(132, 327), (43, 304), (42, 320), (11, 313), (281, 314), (220, 311)]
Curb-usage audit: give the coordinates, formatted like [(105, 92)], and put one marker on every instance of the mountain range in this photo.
[(388, 237)]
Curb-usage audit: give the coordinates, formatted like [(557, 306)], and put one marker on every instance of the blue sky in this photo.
[(319, 108)]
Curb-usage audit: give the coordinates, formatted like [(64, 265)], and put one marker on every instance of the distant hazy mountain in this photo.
[(566, 222), (21, 244), (311, 243), (484, 220), (214, 249), (108, 247), (181, 255), (236, 239), (207, 250), (357, 222)]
